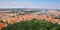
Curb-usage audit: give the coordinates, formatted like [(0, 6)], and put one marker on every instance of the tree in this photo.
[(56, 28), (33, 24)]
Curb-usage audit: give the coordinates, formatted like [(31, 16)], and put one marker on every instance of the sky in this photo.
[(55, 4)]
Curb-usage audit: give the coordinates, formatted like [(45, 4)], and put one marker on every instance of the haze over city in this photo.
[(49, 4)]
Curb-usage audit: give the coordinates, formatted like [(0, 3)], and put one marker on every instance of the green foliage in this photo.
[(1, 21), (56, 28), (33, 24)]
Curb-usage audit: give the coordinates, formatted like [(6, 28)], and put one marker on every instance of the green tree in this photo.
[(33, 24), (56, 27)]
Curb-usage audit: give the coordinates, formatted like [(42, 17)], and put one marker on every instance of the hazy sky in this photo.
[(30, 4)]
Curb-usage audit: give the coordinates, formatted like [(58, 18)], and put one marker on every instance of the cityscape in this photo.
[(16, 15), (29, 14)]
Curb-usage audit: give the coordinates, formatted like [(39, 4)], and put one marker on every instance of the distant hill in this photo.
[(29, 10)]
